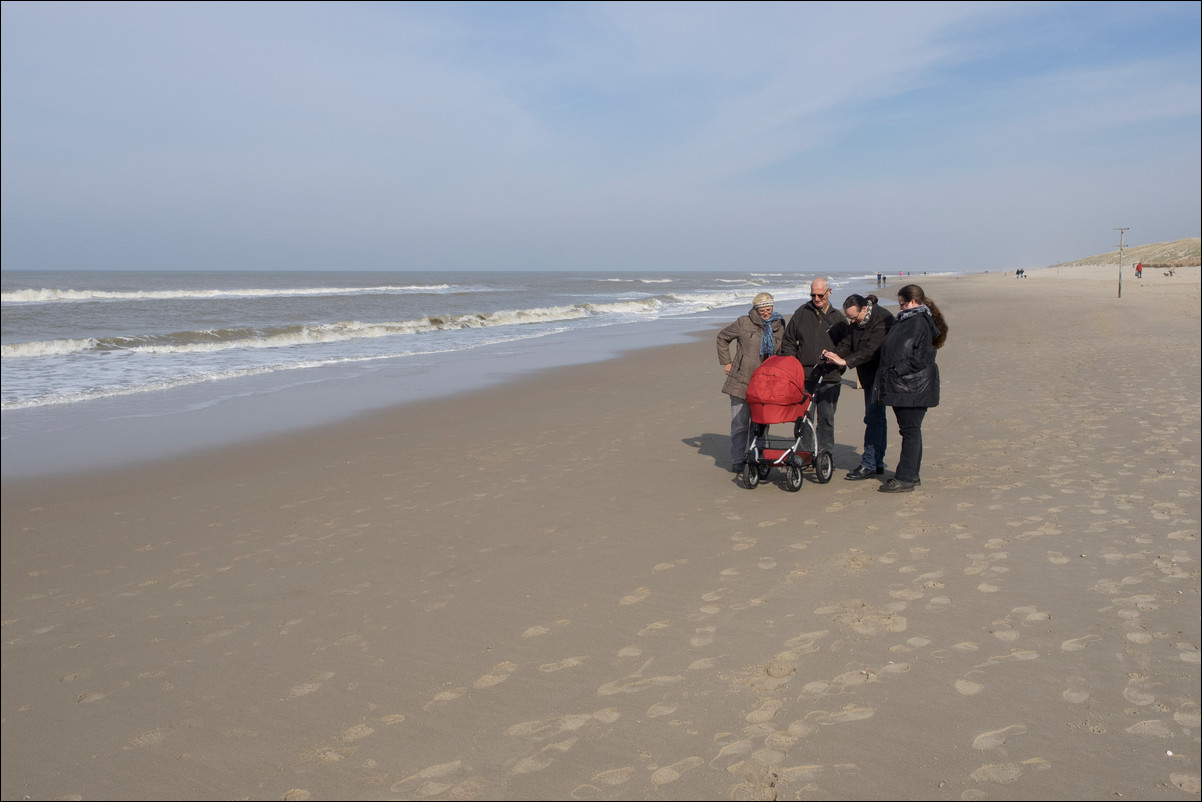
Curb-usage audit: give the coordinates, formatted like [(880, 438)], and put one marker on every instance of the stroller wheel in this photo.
[(751, 475), (765, 470), (792, 477), (824, 466)]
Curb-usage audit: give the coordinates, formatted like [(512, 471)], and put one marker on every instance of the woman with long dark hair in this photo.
[(908, 378)]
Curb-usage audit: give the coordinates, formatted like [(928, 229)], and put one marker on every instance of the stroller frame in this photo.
[(787, 456)]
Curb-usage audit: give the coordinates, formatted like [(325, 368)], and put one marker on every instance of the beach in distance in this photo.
[(554, 589)]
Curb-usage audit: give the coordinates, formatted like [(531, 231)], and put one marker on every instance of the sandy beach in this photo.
[(557, 590)]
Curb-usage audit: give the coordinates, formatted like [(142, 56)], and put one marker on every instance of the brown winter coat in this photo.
[(747, 332)]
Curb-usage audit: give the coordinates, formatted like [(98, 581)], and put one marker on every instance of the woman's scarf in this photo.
[(767, 345), (921, 309), (867, 315)]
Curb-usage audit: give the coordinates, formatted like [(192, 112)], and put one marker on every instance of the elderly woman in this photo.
[(757, 336)]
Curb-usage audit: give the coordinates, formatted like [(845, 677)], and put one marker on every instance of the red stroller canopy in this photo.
[(776, 392)]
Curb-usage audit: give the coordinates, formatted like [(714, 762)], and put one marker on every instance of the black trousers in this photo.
[(909, 426)]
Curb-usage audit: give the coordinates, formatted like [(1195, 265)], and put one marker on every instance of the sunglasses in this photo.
[(820, 294)]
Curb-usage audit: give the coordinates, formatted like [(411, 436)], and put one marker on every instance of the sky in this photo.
[(716, 136)]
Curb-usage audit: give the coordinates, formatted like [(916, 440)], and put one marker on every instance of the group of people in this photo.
[(894, 358)]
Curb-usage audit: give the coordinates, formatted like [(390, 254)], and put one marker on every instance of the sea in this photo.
[(102, 368)]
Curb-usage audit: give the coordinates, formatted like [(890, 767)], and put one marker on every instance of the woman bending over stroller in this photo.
[(757, 336)]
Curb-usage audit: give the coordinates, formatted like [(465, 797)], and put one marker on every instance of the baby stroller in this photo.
[(776, 394)]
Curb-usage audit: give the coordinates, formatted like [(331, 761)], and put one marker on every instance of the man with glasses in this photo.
[(815, 327)]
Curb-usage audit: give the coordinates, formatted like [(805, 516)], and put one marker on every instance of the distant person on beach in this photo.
[(908, 379), (867, 325), (815, 327), (757, 335), (1139, 270)]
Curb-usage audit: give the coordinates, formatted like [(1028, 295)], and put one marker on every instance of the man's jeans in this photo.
[(822, 414), (875, 433)]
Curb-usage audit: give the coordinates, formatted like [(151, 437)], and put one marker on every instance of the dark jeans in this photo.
[(909, 426), (875, 433), (822, 414)]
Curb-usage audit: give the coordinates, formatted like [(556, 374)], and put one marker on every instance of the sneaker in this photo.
[(859, 472), (736, 468), (895, 485)]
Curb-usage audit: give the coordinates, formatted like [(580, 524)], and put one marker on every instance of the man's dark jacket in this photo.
[(861, 345), (809, 333)]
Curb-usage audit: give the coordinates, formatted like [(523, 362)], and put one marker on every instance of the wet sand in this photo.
[(555, 590)]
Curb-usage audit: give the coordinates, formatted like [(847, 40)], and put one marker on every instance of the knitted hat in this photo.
[(763, 299)]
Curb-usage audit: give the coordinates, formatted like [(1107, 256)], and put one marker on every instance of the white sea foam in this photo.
[(46, 348)]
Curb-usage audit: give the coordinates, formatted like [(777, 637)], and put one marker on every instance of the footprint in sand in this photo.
[(634, 686), (966, 687), (145, 739), (669, 774), (567, 662), (306, 688), (1138, 696), (1077, 644), (501, 672), (540, 730), (437, 779), (765, 712), (545, 757), (1076, 692), (731, 753), (442, 697), (654, 627), (356, 732), (1004, 632), (1188, 715), (849, 713), (660, 709), (995, 738), (704, 637), (634, 598), (1003, 773), (1155, 728), (610, 777)]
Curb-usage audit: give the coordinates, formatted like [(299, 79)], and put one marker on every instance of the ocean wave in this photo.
[(202, 376), (47, 348), (636, 280), (48, 296), (213, 340)]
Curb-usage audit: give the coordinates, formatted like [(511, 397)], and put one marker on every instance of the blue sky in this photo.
[(563, 136)]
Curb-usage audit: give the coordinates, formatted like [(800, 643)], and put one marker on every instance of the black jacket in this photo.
[(861, 345), (811, 332), (908, 375)]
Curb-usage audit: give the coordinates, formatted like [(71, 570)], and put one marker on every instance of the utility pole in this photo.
[(1121, 231)]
